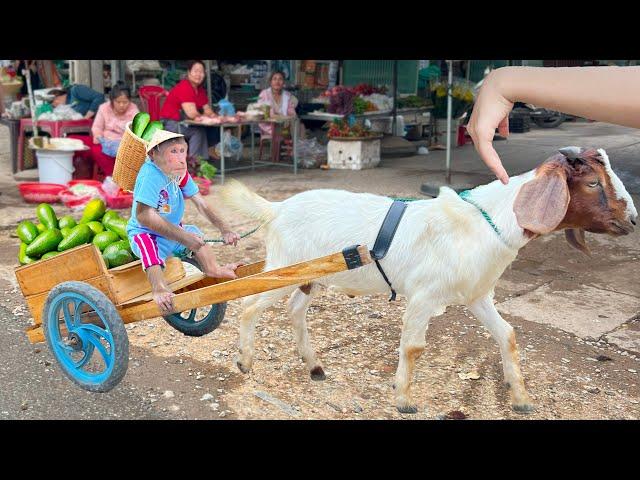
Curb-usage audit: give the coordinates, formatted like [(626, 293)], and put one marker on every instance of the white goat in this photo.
[(444, 251)]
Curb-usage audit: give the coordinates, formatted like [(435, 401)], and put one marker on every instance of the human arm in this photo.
[(205, 210), (190, 110), (97, 128), (151, 219), (607, 94)]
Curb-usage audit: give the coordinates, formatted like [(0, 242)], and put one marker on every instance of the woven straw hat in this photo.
[(160, 136)]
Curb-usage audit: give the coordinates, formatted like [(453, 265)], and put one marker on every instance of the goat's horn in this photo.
[(572, 153)]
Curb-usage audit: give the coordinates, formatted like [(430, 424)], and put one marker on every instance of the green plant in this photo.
[(206, 170)]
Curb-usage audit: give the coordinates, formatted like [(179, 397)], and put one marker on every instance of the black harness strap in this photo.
[(385, 237)]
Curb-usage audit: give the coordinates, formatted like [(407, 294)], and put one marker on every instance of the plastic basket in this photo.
[(131, 155), (119, 201), (36, 192)]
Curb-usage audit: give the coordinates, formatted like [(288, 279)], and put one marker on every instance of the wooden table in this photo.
[(251, 124)]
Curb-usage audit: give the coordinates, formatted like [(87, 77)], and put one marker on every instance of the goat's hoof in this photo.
[(241, 367), (523, 408), (317, 373), (407, 408)]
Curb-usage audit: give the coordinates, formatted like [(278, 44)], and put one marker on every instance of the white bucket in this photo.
[(55, 166)]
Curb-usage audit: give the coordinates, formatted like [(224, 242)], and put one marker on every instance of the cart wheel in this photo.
[(74, 335), (199, 321)]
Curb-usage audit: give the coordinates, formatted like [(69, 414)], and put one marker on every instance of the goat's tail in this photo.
[(241, 199)]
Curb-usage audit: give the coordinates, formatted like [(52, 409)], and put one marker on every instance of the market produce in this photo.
[(117, 225), (108, 215), (94, 210), (150, 130), (341, 128), (66, 221), (47, 216), (96, 227), (412, 101), (23, 258), (117, 254), (102, 228), (140, 122), (27, 231), (360, 106), (79, 235), (341, 103), (46, 242), (104, 239)]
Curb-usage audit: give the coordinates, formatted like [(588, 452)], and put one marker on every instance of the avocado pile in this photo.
[(143, 127), (106, 229)]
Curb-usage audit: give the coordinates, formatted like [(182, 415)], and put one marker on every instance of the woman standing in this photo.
[(188, 101), (109, 126)]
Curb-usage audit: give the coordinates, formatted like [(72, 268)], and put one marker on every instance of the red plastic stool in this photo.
[(152, 97), (463, 136)]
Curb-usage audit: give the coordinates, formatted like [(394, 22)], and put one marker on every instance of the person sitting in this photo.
[(82, 99), (109, 126), (281, 103), (155, 229), (188, 100)]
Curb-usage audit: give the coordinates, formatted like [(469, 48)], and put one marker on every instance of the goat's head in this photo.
[(576, 190)]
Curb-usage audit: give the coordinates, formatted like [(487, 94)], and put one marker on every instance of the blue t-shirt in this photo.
[(154, 188)]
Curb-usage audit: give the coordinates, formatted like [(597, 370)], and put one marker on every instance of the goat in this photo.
[(445, 252)]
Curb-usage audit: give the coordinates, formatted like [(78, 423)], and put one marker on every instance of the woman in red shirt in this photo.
[(188, 101)]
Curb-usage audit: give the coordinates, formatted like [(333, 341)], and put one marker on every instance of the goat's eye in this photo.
[(593, 184)]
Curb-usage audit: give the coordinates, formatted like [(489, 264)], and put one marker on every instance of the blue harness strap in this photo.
[(385, 237)]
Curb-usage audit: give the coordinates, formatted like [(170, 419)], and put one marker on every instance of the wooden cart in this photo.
[(79, 306)]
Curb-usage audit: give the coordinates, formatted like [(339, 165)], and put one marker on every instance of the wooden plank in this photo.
[(296, 274), (36, 302), (35, 334), (78, 263), (130, 281), (174, 286)]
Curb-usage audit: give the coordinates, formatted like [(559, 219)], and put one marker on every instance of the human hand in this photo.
[(164, 298), (96, 140), (230, 238), (193, 242), (490, 111)]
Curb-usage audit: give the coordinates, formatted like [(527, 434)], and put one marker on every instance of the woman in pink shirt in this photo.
[(109, 126)]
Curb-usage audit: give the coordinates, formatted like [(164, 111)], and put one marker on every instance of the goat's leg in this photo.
[(412, 343), (253, 307), (297, 305), (503, 333)]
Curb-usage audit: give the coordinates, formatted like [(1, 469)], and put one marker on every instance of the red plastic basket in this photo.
[(88, 183), (72, 200), (204, 185), (120, 201), (36, 192)]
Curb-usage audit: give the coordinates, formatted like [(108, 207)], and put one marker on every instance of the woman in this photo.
[(281, 103), (569, 89), (82, 99), (109, 126), (188, 101)]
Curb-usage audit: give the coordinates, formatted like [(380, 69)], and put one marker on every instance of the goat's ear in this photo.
[(542, 203), (575, 237)]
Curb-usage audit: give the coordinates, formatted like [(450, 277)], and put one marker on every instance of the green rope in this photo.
[(465, 196), (221, 240)]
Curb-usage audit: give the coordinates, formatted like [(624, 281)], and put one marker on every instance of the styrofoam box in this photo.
[(353, 155)]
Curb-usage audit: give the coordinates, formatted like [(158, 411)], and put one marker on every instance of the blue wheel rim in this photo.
[(88, 333)]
